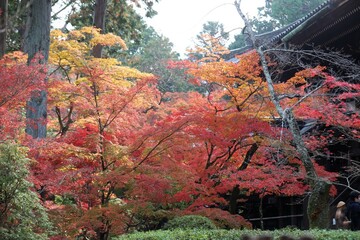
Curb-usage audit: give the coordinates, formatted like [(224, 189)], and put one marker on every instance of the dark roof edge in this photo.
[(279, 34), (298, 23)]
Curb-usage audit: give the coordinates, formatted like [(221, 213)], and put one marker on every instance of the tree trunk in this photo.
[(3, 26), (233, 208), (103, 232), (235, 193), (37, 41), (99, 22), (318, 206), (261, 212), (318, 211), (37, 33), (36, 114)]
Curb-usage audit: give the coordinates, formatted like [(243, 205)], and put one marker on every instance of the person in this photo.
[(342, 222), (353, 209)]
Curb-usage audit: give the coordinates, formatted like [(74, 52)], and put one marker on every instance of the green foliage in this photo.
[(223, 219), (121, 19), (190, 222), (239, 41), (148, 217), (21, 214), (17, 18), (288, 11), (64, 200), (201, 234), (152, 55)]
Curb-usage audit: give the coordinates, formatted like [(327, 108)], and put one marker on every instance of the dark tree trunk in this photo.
[(3, 26), (36, 114), (99, 22), (235, 193), (233, 208), (37, 33), (37, 41), (261, 212)]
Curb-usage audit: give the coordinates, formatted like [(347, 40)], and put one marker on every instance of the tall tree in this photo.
[(99, 22), (3, 26), (37, 34), (16, 21), (37, 41)]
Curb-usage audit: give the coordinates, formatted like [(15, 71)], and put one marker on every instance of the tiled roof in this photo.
[(298, 22)]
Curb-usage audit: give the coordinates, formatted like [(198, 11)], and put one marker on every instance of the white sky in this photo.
[(182, 20)]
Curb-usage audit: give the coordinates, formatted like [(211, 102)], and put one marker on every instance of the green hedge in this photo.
[(201, 234), (189, 222)]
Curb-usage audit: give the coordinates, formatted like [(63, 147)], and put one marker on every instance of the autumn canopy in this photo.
[(123, 154)]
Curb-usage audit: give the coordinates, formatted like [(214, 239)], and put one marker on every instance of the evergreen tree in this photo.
[(21, 214), (153, 55)]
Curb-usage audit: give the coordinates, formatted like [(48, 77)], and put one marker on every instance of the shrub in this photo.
[(190, 222), (223, 219), (221, 234)]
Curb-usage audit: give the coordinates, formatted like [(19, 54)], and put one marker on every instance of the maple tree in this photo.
[(251, 103), (220, 163), (203, 166), (91, 106), (218, 159)]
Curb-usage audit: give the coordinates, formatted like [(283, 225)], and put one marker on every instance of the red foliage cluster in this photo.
[(17, 81)]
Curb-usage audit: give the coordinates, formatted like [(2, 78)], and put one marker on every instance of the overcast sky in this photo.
[(182, 20)]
